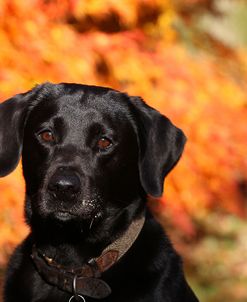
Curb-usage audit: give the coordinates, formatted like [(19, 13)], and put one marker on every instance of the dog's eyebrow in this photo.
[(95, 128)]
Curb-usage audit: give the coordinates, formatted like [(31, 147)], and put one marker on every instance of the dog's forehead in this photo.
[(83, 106), (91, 104)]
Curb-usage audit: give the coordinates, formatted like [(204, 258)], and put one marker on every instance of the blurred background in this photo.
[(188, 59)]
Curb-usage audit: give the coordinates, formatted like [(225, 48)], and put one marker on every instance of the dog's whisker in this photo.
[(91, 223)]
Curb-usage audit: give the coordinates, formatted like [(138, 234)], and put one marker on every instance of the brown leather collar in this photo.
[(86, 280)]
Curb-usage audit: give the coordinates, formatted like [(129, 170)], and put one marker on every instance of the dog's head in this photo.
[(88, 152)]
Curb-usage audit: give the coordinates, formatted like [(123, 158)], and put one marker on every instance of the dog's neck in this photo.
[(86, 277)]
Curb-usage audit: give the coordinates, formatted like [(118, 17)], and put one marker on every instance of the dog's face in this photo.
[(88, 152), (80, 156)]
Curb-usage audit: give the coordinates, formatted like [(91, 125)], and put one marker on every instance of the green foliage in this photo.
[(230, 25)]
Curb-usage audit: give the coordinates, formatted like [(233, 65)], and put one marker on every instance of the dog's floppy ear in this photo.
[(12, 120), (161, 145)]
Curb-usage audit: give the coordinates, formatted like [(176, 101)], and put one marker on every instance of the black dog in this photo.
[(90, 157)]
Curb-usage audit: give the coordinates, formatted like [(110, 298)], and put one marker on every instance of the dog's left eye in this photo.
[(104, 143), (47, 136)]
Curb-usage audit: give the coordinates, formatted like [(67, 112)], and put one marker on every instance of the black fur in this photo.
[(71, 180)]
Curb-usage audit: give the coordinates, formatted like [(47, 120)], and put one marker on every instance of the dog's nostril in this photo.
[(69, 183)]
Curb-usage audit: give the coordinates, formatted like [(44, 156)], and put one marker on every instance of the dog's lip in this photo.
[(64, 215)]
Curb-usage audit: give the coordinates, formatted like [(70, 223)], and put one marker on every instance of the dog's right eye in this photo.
[(47, 136)]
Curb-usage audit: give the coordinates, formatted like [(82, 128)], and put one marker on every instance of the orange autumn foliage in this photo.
[(133, 46)]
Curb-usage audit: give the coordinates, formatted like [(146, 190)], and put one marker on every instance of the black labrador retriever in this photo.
[(90, 156)]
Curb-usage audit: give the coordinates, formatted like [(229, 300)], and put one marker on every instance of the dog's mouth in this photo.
[(64, 215), (85, 210)]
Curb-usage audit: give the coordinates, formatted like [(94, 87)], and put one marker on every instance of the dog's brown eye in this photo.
[(47, 136), (104, 143)]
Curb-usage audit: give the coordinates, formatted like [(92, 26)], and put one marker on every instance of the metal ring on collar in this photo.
[(82, 298), (74, 285), (75, 295)]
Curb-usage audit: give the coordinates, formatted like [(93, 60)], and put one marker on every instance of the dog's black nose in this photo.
[(64, 184)]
